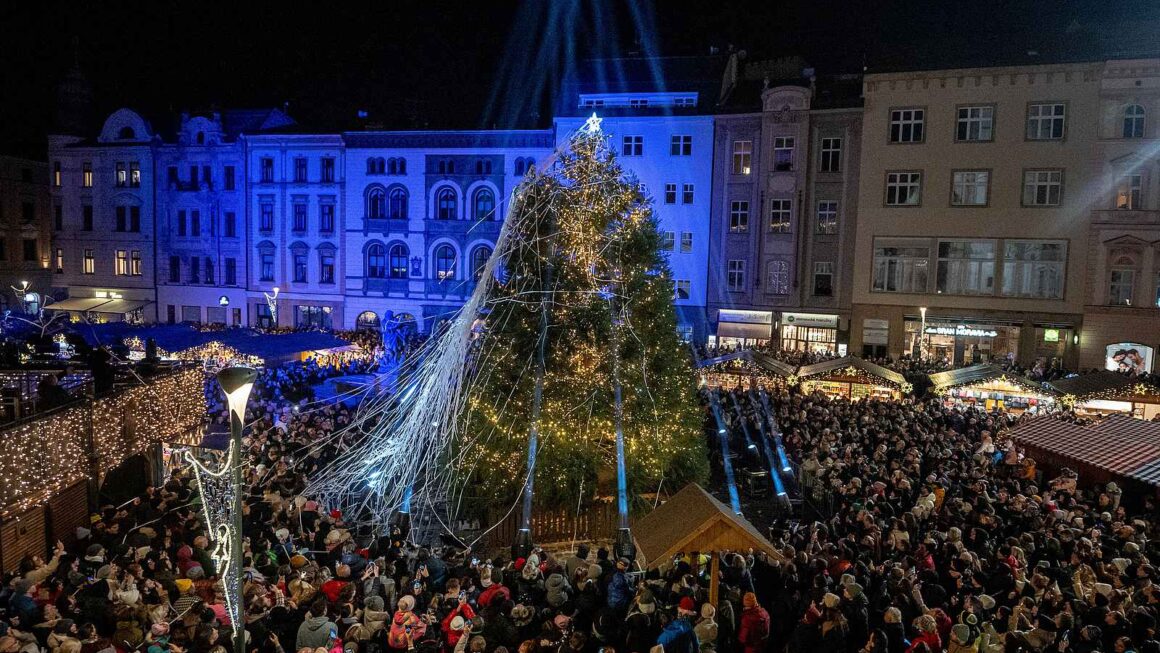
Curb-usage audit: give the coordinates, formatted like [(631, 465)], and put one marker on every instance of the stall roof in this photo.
[(119, 306), (77, 304), (1085, 386), (692, 520), (975, 374), (771, 364), (1120, 445), (835, 364)]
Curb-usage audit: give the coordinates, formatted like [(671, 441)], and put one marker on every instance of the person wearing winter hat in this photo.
[(706, 626), (457, 620), (927, 629), (620, 591), (754, 628), (678, 634)]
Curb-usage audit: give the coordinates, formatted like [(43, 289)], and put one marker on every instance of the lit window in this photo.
[(742, 157), (121, 268), (122, 175), (778, 282), (87, 174), (975, 123), (444, 263), (969, 187), (779, 215), (89, 262), (135, 263), (827, 217), (399, 255), (1129, 192), (738, 216), (1122, 281)]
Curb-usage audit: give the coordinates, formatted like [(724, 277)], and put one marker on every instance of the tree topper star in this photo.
[(592, 125)]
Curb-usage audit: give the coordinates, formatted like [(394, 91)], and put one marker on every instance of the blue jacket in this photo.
[(678, 637), (619, 591)]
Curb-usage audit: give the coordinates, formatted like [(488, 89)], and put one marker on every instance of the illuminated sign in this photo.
[(810, 319), (960, 330), (1051, 335), (1130, 357)]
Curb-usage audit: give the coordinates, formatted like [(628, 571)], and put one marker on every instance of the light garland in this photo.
[(216, 490)]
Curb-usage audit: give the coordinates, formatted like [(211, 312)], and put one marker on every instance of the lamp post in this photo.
[(237, 382), (922, 335), (272, 302)]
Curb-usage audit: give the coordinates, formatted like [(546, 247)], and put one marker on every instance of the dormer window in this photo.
[(590, 103), (201, 138), (637, 103), (685, 102)]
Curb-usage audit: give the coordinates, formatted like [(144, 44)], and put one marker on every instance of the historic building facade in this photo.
[(26, 245)]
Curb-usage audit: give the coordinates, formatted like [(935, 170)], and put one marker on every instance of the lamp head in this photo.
[(275, 291), (237, 382)]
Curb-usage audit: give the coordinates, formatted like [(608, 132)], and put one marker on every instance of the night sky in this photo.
[(479, 64)]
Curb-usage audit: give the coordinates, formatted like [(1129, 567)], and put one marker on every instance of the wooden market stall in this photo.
[(1108, 392), (745, 368), (853, 378), (1116, 448), (693, 521), (990, 386)]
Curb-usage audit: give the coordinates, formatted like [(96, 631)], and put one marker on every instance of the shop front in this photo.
[(972, 342), (814, 332), (739, 329)]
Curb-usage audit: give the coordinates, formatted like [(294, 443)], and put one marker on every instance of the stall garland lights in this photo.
[(215, 488)]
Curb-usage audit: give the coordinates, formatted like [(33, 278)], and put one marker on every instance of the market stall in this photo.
[(745, 369), (852, 378), (990, 387), (1107, 392)]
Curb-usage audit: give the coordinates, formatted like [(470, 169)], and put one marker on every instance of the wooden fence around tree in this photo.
[(596, 521)]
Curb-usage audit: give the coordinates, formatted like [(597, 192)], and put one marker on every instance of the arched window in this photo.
[(446, 205), (521, 165), (127, 134), (376, 262), (479, 258), (484, 204), (367, 321), (778, 282), (398, 204), (201, 138), (444, 263), (375, 166), (402, 166), (1133, 121), (399, 254), (376, 204)]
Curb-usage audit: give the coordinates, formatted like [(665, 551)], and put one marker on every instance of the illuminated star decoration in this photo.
[(592, 125)]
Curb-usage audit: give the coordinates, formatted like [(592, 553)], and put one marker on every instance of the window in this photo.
[(738, 216), (444, 263), (267, 169), (686, 193), (194, 269), (397, 208), (670, 193), (975, 124), (1042, 187), (121, 263), (90, 262), (479, 261), (209, 271), (326, 267), (231, 224), (87, 174), (398, 166), (969, 187), (376, 262), (668, 241), (903, 188), (266, 217), (1122, 281), (300, 267), (1129, 192), (828, 217), (122, 219), (399, 255), (326, 218), (171, 178), (300, 169), (831, 159), (778, 282), (59, 260), (632, 146), (783, 153), (1033, 269), (1045, 121), (57, 217), (181, 223), (195, 223), (686, 242), (906, 125), (484, 204), (174, 269), (522, 165), (446, 205), (122, 174), (135, 219), (446, 167), (56, 176), (87, 217), (823, 279), (683, 288), (966, 267), (735, 275), (779, 215), (28, 212), (193, 178), (483, 167), (637, 103), (312, 317), (376, 204), (1133, 121), (742, 157), (266, 265), (230, 178), (135, 174), (375, 166), (30, 254), (681, 145), (901, 267), (231, 272)]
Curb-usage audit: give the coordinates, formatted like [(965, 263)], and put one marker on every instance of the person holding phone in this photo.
[(458, 621)]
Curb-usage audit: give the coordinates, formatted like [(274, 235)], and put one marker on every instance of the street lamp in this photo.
[(272, 302), (922, 335), (237, 382)]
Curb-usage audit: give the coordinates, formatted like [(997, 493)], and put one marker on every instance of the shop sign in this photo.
[(810, 320), (961, 331), (1051, 335), (870, 323), (744, 317), (1131, 357)]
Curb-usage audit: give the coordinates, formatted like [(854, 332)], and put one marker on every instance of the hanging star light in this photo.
[(592, 125)]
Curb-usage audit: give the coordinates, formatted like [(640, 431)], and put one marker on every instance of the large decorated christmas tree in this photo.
[(585, 280)]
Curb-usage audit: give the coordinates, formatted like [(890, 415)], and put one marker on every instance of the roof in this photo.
[(973, 374), (179, 337), (837, 364), (700, 74), (477, 139), (771, 364), (692, 520), (1085, 386), (1120, 445)]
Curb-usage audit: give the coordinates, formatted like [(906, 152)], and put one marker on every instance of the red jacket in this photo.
[(931, 639), (462, 610), (491, 593), (754, 630), (332, 588)]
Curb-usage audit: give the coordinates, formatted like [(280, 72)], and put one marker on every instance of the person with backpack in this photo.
[(754, 630)]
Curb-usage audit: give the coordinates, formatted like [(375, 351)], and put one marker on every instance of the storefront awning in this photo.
[(743, 330), (77, 304), (119, 306)]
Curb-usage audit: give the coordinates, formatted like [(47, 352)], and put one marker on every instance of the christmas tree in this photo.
[(585, 278)]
